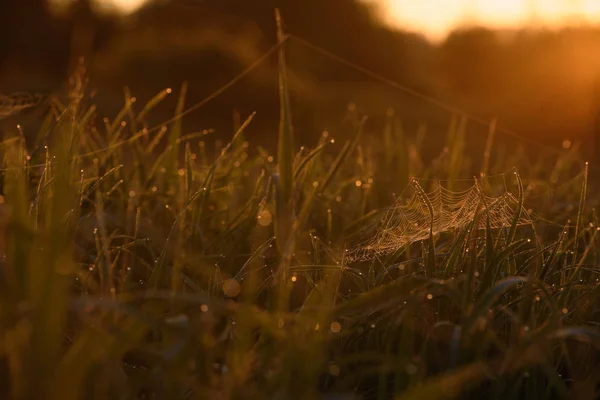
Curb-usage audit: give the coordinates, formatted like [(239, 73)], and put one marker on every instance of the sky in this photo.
[(436, 18), (125, 6)]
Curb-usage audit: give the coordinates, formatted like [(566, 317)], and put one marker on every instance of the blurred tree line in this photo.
[(539, 83)]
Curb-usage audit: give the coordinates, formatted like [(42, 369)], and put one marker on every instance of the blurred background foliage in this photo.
[(542, 84)]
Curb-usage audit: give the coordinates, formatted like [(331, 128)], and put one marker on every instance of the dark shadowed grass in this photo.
[(137, 263)]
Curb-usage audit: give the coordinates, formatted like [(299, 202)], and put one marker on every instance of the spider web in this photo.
[(440, 210)]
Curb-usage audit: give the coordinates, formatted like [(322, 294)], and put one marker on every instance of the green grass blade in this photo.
[(520, 199), (285, 143), (306, 160), (488, 298), (348, 148), (153, 103), (431, 245), (580, 211)]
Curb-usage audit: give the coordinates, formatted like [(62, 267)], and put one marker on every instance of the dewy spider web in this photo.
[(440, 210)]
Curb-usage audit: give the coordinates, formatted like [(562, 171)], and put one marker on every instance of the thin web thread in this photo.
[(189, 110), (332, 56), (419, 95)]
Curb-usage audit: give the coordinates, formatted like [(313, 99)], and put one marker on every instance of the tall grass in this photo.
[(136, 265)]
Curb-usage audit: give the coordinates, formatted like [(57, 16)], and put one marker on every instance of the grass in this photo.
[(139, 264)]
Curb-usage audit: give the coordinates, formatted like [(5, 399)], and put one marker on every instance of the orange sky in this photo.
[(125, 6), (435, 18)]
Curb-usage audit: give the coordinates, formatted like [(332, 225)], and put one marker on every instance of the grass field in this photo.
[(150, 263)]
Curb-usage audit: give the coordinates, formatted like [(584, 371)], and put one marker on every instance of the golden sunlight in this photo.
[(436, 18), (122, 6), (125, 6)]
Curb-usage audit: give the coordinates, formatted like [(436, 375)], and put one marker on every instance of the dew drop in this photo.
[(411, 369), (335, 327), (334, 370), (231, 288)]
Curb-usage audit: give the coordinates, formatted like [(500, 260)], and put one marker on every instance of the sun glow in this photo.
[(436, 18), (125, 6), (122, 6)]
